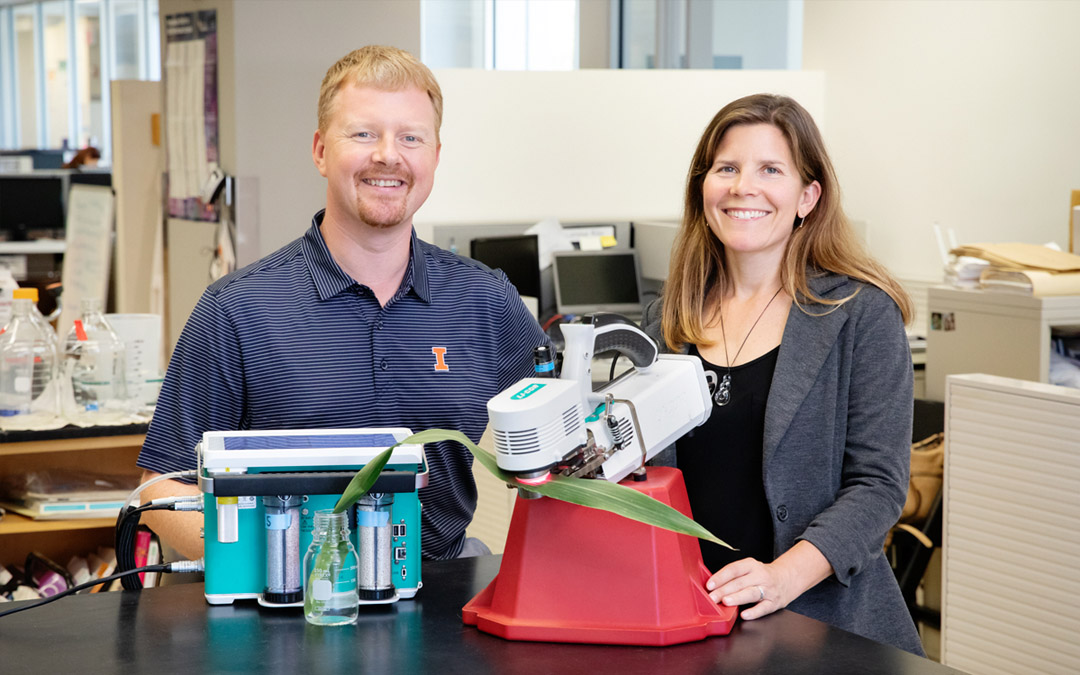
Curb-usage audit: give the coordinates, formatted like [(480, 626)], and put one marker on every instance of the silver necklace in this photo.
[(723, 392)]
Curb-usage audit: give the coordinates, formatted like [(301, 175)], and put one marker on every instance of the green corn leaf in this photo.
[(596, 494), (364, 479)]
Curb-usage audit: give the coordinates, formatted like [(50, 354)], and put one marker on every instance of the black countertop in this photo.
[(72, 431), (172, 630)]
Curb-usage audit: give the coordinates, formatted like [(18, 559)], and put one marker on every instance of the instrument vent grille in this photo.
[(572, 419), (527, 441)]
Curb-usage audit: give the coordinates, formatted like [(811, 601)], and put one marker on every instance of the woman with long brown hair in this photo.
[(803, 464)]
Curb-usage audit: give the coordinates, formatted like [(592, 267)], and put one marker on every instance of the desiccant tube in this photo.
[(283, 584), (376, 579), (228, 522)]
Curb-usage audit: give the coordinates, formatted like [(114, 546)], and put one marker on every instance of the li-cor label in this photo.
[(528, 391)]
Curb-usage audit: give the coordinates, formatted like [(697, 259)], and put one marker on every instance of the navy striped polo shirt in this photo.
[(292, 342)]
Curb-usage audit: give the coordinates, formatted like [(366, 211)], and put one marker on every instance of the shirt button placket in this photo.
[(380, 359)]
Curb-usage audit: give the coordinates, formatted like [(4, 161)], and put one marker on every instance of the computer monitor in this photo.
[(32, 206), (653, 241), (597, 281), (518, 256), (39, 159), (91, 178)]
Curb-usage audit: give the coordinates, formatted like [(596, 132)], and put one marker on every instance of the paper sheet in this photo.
[(1038, 283), (551, 237), (1022, 256), (88, 250)]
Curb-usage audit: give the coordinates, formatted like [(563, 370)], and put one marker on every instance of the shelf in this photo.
[(106, 450), (13, 523), (69, 444), (49, 246), (65, 437)]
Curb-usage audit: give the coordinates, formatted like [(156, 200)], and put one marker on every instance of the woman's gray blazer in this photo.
[(837, 451)]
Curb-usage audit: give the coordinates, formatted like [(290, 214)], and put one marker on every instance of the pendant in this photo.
[(723, 391)]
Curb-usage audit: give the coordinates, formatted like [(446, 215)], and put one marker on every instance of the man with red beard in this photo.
[(358, 323)]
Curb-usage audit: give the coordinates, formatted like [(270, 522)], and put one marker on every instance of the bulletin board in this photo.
[(191, 110)]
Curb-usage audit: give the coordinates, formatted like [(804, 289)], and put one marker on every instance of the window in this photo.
[(535, 35), (58, 80), (27, 81), (639, 33), (735, 34), (500, 34), (762, 35), (7, 83), (125, 30), (56, 60), (88, 104)]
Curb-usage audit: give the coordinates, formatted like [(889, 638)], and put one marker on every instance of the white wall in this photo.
[(953, 111), (282, 51), (588, 145)]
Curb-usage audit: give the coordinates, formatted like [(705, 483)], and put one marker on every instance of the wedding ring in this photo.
[(761, 591)]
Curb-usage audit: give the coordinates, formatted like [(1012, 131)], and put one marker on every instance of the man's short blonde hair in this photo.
[(387, 68)]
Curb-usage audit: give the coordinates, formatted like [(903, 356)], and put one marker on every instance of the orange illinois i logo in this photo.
[(440, 359)]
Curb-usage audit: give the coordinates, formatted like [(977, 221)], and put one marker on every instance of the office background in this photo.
[(959, 112), (951, 111)]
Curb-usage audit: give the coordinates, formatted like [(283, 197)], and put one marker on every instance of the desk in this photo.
[(172, 630)]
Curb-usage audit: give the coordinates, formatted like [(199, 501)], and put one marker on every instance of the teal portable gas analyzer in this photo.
[(261, 490)]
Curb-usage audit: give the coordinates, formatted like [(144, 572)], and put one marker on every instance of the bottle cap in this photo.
[(26, 293)]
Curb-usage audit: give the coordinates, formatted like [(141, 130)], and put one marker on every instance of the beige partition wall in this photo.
[(1010, 574), (189, 254), (138, 162)]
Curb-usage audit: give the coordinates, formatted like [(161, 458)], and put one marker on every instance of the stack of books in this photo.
[(63, 494)]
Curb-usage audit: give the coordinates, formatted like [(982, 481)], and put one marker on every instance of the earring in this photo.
[(798, 222)]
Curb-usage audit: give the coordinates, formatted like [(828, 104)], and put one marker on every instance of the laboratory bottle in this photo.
[(7, 286), (28, 369), (36, 316), (95, 385), (330, 590), (47, 380)]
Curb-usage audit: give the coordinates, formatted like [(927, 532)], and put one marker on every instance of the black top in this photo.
[(721, 463), (161, 631)]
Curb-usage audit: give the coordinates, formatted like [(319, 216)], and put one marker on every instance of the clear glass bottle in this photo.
[(7, 285), (330, 595), (46, 381), (28, 370), (96, 387)]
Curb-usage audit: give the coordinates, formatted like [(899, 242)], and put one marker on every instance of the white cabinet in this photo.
[(994, 333), (1010, 595)]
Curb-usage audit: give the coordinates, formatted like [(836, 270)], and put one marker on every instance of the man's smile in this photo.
[(383, 182)]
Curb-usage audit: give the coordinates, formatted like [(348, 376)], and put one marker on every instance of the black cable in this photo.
[(127, 529), (162, 567), (611, 375)]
